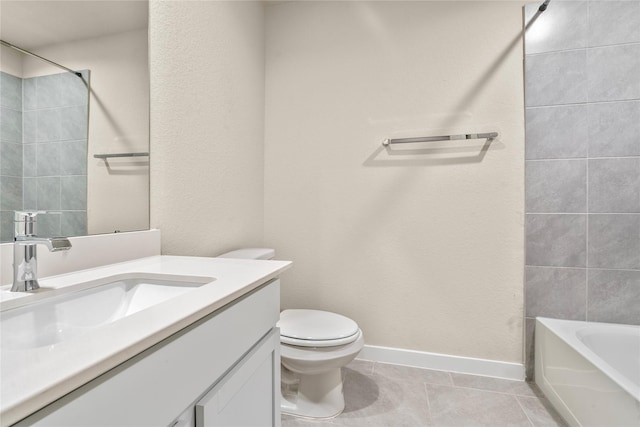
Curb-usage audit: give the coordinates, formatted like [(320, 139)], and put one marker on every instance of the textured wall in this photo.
[(421, 245), (583, 163), (207, 125)]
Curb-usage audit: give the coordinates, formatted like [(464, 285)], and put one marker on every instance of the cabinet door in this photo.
[(249, 395)]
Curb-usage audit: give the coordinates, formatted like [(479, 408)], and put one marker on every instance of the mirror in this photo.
[(69, 144)]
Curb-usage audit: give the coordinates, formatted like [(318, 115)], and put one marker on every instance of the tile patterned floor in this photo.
[(380, 395)]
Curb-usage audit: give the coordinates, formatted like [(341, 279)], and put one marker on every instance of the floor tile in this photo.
[(379, 401), (412, 375), (540, 412), (461, 407)]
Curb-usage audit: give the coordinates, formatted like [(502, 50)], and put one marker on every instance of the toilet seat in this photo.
[(316, 328)]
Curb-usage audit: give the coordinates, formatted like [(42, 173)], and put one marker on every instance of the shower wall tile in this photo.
[(556, 186), (558, 240), (29, 126), (10, 125), (49, 91), (49, 225), (614, 185), (614, 296), (11, 159), (74, 91), (73, 123), (48, 125), (529, 346), (562, 26), (29, 157), (613, 73), (73, 192), (614, 129), (6, 226), (49, 193), (556, 292), (30, 193), (10, 193), (48, 159), (613, 22), (73, 157), (10, 91), (73, 223), (614, 241), (29, 94), (556, 132), (560, 78)]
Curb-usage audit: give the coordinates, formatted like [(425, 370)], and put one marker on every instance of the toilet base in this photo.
[(312, 396)]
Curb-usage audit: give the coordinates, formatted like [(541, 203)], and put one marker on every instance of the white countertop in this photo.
[(33, 378)]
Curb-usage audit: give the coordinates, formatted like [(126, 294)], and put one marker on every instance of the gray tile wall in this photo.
[(582, 91), (44, 150), (11, 189)]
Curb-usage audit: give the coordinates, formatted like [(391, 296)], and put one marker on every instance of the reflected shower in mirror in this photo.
[(43, 144), (48, 159)]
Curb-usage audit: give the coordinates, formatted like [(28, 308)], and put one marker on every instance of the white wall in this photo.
[(118, 194), (10, 61), (207, 125), (423, 249)]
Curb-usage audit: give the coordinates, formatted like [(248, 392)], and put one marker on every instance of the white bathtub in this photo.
[(589, 371)]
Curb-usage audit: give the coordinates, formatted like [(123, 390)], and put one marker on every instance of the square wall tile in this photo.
[(29, 94), (73, 157), (30, 194), (614, 185), (73, 192), (614, 129), (10, 193), (556, 186), (29, 126), (11, 158), (556, 292), (29, 160), (48, 226), (10, 125), (614, 296), (558, 240), (48, 159), (556, 78), (10, 91), (49, 91), (49, 193), (613, 22), (529, 348), (6, 226), (556, 132), (74, 91), (48, 125), (562, 26), (73, 223), (73, 123), (613, 73), (614, 241)]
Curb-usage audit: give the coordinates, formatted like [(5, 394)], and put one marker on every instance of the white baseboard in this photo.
[(443, 362)]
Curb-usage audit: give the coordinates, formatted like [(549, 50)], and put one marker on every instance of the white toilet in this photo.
[(314, 345)]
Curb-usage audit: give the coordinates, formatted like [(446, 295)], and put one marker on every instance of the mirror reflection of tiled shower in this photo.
[(43, 141)]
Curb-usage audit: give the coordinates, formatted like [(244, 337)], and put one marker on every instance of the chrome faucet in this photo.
[(25, 241)]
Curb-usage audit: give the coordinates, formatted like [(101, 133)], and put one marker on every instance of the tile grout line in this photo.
[(524, 412)]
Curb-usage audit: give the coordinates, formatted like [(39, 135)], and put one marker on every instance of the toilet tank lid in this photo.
[(250, 253), (315, 325)]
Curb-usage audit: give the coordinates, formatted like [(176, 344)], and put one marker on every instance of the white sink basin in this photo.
[(79, 309)]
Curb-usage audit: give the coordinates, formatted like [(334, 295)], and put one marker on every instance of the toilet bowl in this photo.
[(314, 346)]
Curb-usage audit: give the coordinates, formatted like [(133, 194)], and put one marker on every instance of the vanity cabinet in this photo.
[(223, 370)]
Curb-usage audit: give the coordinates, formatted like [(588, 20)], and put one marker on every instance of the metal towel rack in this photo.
[(489, 135), (106, 156)]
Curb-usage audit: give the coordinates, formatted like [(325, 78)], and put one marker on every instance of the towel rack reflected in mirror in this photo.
[(107, 156)]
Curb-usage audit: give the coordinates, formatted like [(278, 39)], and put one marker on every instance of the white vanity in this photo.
[(159, 341)]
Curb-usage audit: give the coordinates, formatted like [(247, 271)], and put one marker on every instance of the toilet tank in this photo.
[(250, 253)]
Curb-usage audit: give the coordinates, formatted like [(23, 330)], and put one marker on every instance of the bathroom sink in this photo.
[(64, 314)]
